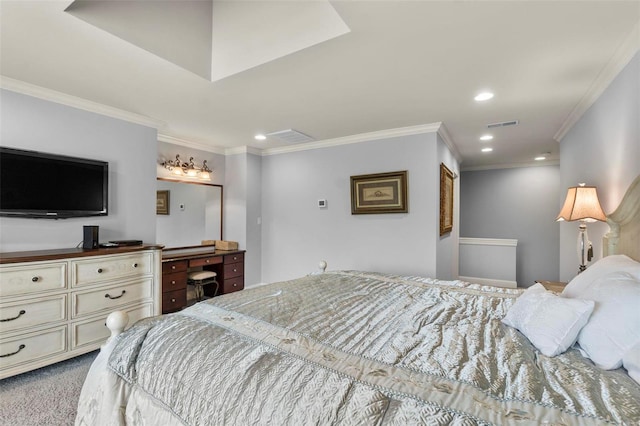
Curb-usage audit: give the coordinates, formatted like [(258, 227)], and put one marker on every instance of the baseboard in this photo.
[(489, 281), (254, 285)]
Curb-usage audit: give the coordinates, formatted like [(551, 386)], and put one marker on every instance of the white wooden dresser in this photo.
[(53, 303)]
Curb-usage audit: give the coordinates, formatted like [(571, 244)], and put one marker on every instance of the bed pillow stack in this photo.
[(551, 323), (611, 337)]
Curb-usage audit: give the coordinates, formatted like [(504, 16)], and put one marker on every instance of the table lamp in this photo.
[(582, 204)]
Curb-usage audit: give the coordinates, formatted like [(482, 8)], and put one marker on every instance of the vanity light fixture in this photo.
[(189, 169)]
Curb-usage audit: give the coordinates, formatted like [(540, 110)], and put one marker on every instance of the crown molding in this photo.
[(362, 137), (448, 140), (29, 89), (619, 60), (243, 150), (190, 144), (511, 166)]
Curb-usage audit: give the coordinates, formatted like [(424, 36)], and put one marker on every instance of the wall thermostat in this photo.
[(322, 204)]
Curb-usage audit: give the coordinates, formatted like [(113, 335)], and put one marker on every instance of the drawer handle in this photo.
[(99, 270), (173, 300), (35, 279), (207, 261), (173, 282), (135, 265), (235, 284), (21, 347), (173, 266), (116, 297), (235, 257), (235, 270), (21, 313)]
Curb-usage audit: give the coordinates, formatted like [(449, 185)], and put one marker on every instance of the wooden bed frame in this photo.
[(623, 238)]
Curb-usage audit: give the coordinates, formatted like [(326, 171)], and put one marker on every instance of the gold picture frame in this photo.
[(446, 200), (162, 202), (379, 193)]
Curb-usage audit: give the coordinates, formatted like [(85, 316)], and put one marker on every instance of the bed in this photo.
[(353, 347)]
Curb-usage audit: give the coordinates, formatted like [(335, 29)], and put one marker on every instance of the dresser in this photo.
[(177, 263), (54, 303)]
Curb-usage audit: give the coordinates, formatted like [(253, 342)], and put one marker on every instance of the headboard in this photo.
[(624, 225)]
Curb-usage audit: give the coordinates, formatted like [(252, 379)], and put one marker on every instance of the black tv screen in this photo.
[(41, 185)]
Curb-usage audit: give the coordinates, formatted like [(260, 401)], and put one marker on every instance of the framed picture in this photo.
[(162, 202), (379, 193), (446, 200)]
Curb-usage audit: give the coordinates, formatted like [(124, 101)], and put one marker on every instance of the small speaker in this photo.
[(90, 240)]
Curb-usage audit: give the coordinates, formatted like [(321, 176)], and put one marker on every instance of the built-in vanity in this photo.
[(177, 263), (54, 303)]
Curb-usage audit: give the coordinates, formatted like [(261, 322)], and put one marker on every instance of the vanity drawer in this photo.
[(175, 266), (21, 280), (175, 281), (90, 271), (204, 261), (234, 258), (232, 284), (233, 270), (174, 301), (14, 316), (110, 298), (33, 346), (95, 331)]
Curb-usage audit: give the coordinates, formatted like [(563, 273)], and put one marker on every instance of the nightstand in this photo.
[(555, 286)]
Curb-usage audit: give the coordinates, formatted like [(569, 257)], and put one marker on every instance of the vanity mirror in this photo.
[(195, 213)]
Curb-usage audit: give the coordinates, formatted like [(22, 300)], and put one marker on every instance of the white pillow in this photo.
[(550, 322), (604, 266), (614, 326), (631, 361)]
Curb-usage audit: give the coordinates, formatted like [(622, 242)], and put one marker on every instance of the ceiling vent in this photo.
[(291, 136), (503, 124)]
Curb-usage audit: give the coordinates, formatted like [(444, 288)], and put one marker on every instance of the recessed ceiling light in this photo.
[(487, 149), (484, 96), (540, 158), (486, 137), (260, 137)]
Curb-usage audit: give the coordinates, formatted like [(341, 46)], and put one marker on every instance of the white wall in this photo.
[(34, 124), (519, 204), (602, 149), (296, 234)]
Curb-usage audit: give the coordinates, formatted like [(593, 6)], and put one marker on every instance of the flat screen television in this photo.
[(41, 185)]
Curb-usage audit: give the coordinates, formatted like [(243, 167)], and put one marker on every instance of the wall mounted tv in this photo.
[(40, 185)]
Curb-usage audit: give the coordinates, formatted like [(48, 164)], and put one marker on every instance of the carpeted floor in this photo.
[(44, 397)]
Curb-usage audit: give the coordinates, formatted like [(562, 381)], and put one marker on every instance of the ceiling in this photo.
[(378, 65)]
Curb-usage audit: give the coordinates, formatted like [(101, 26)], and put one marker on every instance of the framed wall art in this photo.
[(162, 202), (446, 200), (379, 193)]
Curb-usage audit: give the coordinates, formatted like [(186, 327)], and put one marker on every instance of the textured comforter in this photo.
[(349, 348)]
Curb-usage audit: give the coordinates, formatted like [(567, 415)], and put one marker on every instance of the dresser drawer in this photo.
[(21, 280), (14, 316), (174, 301), (95, 331), (233, 270), (232, 284), (110, 298), (204, 261), (175, 281), (90, 271), (233, 258), (176, 266), (33, 346)]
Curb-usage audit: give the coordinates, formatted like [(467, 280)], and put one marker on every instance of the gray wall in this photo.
[(296, 234), (522, 204), (447, 245), (34, 124), (602, 149)]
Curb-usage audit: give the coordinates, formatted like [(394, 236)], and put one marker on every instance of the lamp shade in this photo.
[(582, 204)]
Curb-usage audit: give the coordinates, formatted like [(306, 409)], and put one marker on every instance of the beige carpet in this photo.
[(44, 397)]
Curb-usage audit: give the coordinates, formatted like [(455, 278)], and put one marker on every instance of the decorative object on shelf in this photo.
[(162, 202), (379, 193), (188, 169), (582, 204), (446, 200)]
